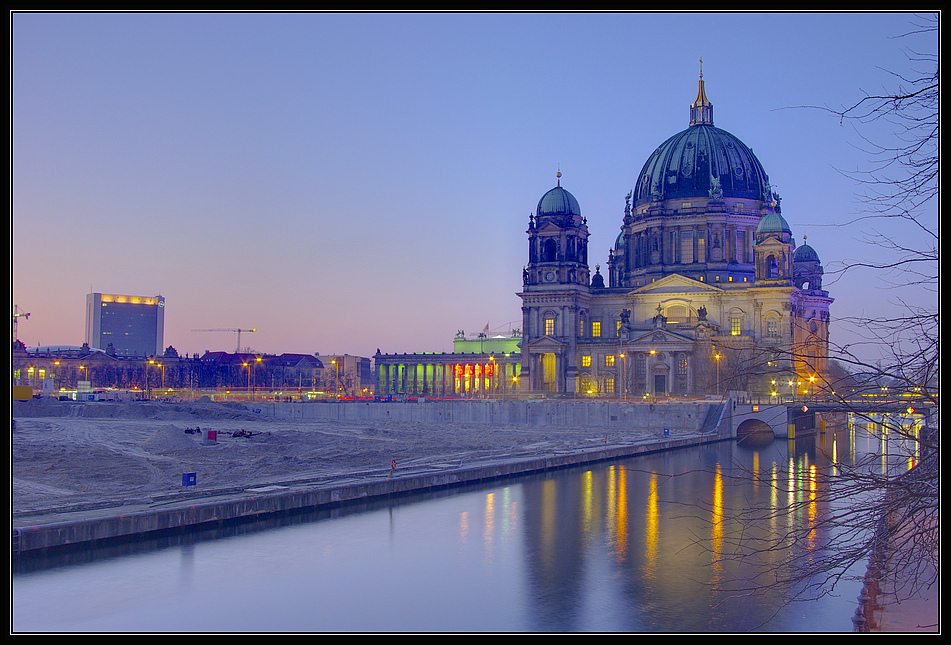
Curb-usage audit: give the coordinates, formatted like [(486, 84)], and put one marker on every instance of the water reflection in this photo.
[(642, 545)]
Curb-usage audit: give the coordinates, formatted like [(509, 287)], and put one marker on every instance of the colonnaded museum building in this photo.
[(705, 291)]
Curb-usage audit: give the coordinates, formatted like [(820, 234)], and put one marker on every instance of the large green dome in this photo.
[(692, 162)]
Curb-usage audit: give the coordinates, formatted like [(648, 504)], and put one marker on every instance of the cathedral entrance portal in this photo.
[(548, 373)]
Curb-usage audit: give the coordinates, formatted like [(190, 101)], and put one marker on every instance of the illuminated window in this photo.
[(678, 314), (609, 360), (585, 361), (596, 329), (587, 386), (772, 328), (617, 326), (549, 326), (581, 328), (609, 385), (682, 366), (734, 326)]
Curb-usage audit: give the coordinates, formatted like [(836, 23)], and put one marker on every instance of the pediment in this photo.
[(660, 336), (676, 283), (546, 343), (772, 241), (548, 227)]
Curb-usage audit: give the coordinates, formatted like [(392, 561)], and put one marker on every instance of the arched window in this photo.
[(678, 314), (549, 251), (682, 365)]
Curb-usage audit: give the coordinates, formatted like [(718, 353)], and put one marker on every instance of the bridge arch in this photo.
[(754, 432)]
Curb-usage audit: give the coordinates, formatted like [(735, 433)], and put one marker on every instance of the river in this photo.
[(632, 546)]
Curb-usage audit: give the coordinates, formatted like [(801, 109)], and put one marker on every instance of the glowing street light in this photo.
[(718, 373)]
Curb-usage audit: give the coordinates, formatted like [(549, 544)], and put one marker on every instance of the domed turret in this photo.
[(558, 201), (805, 253), (807, 270), (557, 241), (773, 225)]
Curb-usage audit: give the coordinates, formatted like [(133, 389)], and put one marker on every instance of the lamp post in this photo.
[(491, 380), (718, 373), (623, 375), (336, 377), (148, 385)]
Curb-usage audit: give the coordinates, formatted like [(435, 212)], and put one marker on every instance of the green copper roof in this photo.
[(558, 201)]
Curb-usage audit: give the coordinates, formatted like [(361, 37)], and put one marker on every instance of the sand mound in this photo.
[(169, 438)]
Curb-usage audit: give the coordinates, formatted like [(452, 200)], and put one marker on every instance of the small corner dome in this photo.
[(805, 253), (558, 201), (772, 223)]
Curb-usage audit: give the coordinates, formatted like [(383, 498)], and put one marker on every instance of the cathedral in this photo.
[(704, 292)]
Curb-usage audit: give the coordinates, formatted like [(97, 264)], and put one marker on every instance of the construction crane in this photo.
[(18, 313), (238, 349)]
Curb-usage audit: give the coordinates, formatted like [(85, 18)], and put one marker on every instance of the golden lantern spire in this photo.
[(701, 110)]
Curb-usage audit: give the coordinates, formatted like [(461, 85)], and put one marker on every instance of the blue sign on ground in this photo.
[(189, 479)]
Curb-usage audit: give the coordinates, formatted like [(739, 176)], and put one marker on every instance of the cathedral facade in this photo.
[(704, 292)]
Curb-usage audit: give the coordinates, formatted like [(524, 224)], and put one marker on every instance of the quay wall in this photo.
[(679, 418), (250, 504)]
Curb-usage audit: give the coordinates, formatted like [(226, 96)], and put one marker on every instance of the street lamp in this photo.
[(490, 381), (624, 374), (718, 373), (336, 377), (248, 365)]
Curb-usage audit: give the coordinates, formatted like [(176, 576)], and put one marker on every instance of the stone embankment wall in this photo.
[(678, 418)]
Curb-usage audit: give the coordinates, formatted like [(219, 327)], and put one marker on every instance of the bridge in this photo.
[(788, 420)]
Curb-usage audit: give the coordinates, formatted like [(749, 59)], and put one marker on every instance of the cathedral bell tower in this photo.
[(773, 249), (555, 290), (557, 241)]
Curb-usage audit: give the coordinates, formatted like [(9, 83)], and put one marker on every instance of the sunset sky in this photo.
[(346, 182)]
